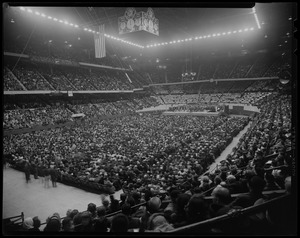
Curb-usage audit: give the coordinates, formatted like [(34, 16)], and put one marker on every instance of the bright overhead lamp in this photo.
[(66, 22), (55, 19), (234, 31), (43, 15), (218, 34), (208, 36), (49, 17), (190, 38), (60, 21), (224, 33), (240, 30), (213, 35), (85, 29), (71, 24), (252, 28), (147, 46), (22, 8), (200, 37), (37, 13), (76, 26), (89, 30), (246, 29), (204, 37), (229, 32), (29, 10)]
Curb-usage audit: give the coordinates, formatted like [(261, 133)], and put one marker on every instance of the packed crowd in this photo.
[(30, 76), (214, 98), (29, 118), (130, 148), (171, 163), (39, 77), (33, 115), (220, 87)]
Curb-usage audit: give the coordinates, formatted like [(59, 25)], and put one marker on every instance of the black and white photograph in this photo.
[(173, 119)]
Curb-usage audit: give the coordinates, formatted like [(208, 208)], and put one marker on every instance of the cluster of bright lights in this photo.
[(202, 37), (256, 18), (76, 26), (188, 74)]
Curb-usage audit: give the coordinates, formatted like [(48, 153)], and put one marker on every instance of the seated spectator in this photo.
[(158, 223), (170, 209), (221, 200), (36, 224), (178, 218), (28, 224), (83, 222), (134, 222), (123, 197), (119, 223), (232, 184), (153, 206), (205, 184), (114, 204), (255, 185), (196, 210), (73, 213), (67, 224), (53, 223), (92, 209), (105, 204), (101, 223), (270, 182)]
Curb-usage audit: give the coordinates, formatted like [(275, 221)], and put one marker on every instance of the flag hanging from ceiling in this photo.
[(100, 43)]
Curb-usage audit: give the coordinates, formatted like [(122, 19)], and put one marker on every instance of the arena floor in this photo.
[(34, 200)]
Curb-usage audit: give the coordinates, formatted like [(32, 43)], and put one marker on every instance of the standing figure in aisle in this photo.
[(27, 171), (54, 174), (47, 177)]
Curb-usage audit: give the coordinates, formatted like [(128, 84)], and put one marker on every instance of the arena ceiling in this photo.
[(182, 21)]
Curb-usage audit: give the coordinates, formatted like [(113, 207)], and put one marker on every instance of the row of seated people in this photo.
[(261, 66), (36, 114), (148, 211), (135, 150), (27, 76), (28, 118), (246, 98), (194, 108), (219, 87)]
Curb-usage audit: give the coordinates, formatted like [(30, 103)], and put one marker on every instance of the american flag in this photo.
[(100, 43)]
